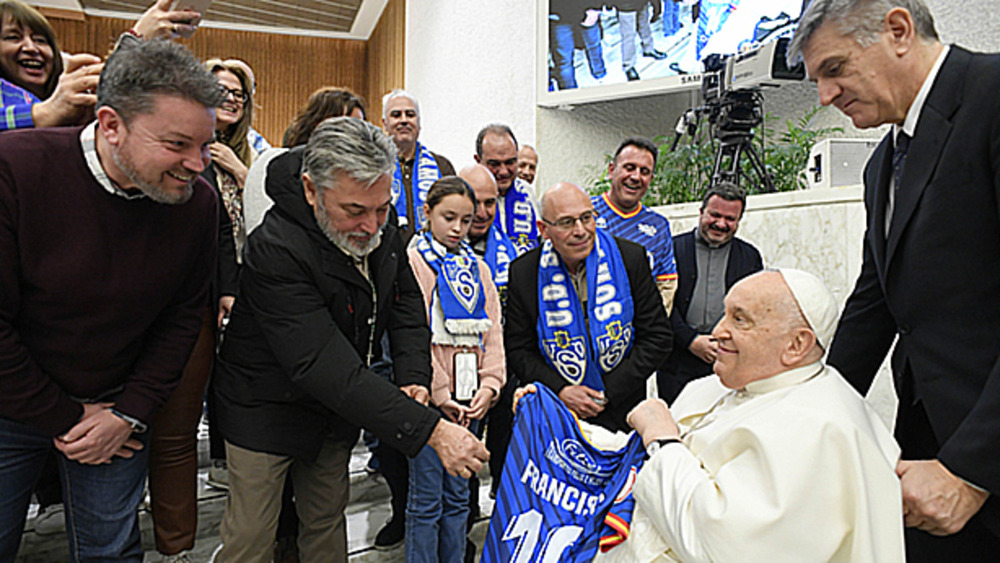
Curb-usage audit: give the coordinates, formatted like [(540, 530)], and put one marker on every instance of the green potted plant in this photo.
[(683, 174)]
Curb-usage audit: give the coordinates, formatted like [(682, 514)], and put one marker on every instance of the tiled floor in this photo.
[(366, 512)]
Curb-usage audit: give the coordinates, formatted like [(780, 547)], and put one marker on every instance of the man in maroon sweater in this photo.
[(107, 244)]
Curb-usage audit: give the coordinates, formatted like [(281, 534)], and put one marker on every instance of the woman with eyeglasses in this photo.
[(173, 463), (231, 158)]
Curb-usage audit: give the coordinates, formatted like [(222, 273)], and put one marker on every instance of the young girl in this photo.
[(467, 359)]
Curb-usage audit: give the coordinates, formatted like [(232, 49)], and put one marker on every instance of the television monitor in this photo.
[(581, 52)]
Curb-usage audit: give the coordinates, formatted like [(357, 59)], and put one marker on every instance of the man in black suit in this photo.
[(931, 266), (710, 260), (583, 281)]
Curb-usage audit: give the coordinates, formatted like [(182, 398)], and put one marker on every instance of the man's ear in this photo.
[(800, 346), (478, 159), (309, 189), (899, 24), (111, 124), (542, 226)]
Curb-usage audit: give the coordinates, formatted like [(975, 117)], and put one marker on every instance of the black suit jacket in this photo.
[(624, 386), (936, 280), (682, 366)]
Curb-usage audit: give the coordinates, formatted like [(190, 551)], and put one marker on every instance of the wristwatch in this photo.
[(137, 425), (655, 445)]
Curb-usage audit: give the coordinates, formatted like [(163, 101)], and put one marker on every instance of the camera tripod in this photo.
[(732, 146)]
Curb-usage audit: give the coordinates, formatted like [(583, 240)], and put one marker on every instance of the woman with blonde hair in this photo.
[(173, 464)]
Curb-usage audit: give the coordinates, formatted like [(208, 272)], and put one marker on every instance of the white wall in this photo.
[(471, 63), (819, 231)]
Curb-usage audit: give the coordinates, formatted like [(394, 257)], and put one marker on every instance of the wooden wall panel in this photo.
[(288, 68), (386, 57)]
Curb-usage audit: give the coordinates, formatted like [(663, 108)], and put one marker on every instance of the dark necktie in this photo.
[(902, 145), (899, 158)]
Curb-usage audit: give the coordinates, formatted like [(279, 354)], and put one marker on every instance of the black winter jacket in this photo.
[(292, 364)]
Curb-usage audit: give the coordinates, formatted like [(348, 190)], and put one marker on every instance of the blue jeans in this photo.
[(591, 37), (101, 501), (561, 47), (436, 511), (671, 18)]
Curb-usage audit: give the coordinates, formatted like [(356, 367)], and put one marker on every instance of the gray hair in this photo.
[(344, 145), (137, 72), (399, 93), (498, 129), (861, 19)]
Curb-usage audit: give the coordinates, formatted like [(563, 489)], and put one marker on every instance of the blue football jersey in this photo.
[(560, 497), (642, 226)]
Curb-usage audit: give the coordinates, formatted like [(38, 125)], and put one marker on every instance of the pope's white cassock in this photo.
[(795, 468)]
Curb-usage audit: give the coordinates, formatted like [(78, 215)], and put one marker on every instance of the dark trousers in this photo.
[(975, 542), (499, 426), (173, 453)]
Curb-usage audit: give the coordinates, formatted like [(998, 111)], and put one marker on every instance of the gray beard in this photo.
[(343, 240), (152, 191)]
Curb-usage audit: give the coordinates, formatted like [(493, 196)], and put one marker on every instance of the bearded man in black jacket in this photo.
[(325, 276)]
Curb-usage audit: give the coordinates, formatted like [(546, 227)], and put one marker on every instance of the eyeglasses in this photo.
[(238, 95), (586, 219)]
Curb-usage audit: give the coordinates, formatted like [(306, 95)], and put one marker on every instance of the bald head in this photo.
[(478, 176), (485, 187), (560, 192)]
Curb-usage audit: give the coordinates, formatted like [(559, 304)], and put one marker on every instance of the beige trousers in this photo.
[(255, 484)]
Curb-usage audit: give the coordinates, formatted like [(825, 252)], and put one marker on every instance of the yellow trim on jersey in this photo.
[(619, 212), (620, 526)]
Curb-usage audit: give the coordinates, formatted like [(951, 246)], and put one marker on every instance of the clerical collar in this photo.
[(88, 142), (785, 379)]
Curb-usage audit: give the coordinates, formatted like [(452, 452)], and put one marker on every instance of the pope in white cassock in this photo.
[(776, 459)]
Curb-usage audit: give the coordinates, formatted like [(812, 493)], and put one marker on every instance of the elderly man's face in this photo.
[(500, 156), (574, 240), (865, 83), (349, 213), (161, 152), (753, 333), (401, 121)]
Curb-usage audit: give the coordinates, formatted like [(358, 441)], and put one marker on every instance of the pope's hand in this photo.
[(653, 421), (935, 500)]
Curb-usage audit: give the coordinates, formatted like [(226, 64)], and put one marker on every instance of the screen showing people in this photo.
[(593, 44)]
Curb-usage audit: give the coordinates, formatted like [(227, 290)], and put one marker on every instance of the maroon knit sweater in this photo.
[(97, 292)]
